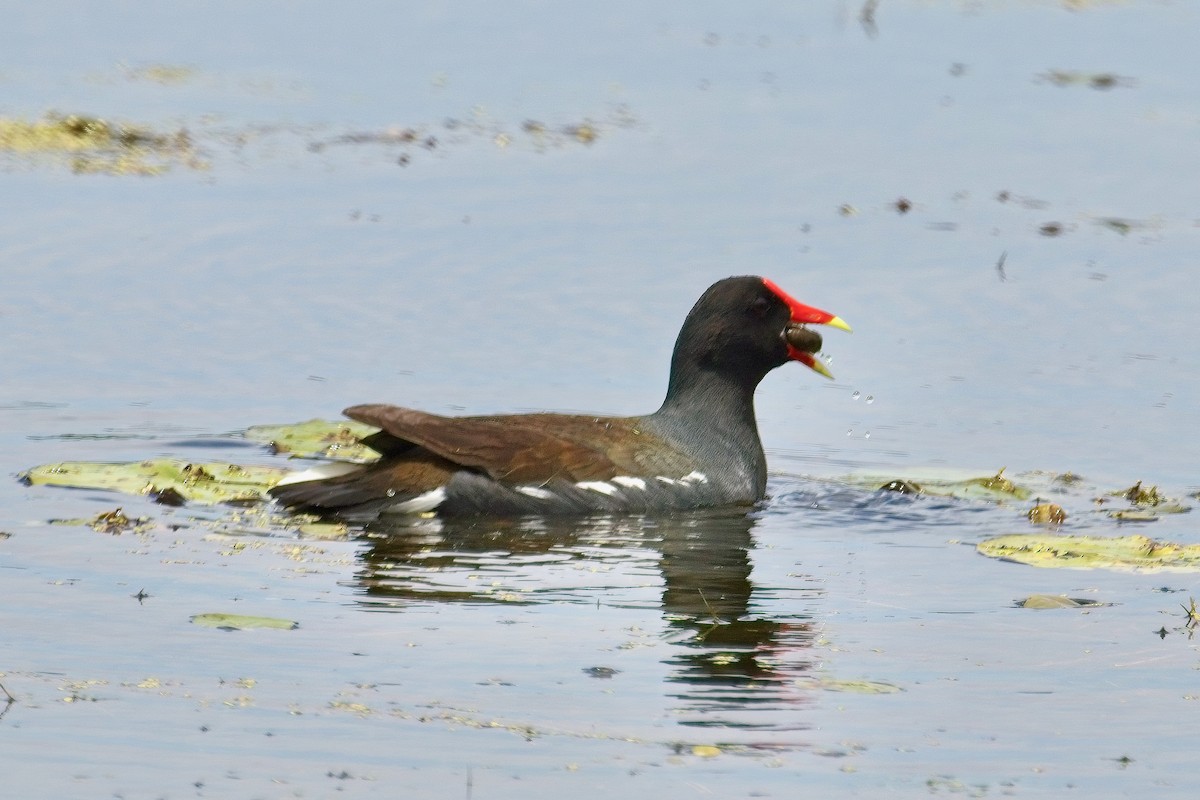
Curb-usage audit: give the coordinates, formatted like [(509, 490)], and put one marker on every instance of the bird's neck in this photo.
[(710, 397), (710, 415)]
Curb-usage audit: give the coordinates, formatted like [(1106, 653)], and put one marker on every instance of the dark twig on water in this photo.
[(1193, 614), (866, 18), (9, 702)]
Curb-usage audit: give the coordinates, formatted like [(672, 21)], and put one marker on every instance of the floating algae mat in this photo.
[(170, 482), (948, 483), (1043, 601), (242, 622), (175, 482), (317, 438), (1132, 553), (95, 145)]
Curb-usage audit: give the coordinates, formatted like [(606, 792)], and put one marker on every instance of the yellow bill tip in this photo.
[(838, 322), (818, 366)]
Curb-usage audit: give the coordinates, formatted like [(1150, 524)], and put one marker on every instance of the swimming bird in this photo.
[(700, 448)]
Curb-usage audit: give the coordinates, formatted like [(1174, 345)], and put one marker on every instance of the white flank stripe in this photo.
[(691, 479), (318, 473), (630, 483), (536, 491), (603, 487), (422, 502)]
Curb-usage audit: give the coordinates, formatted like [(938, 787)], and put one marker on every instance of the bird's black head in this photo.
[(744, 327)]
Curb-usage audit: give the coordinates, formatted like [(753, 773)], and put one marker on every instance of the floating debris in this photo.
[(1139, 495), (1001, 485), (1133, 515), (241, 622), (1148, 504), (945, 483), (1006, 196), (1132, 553), (165, 74), (114, 522), (96, 145), (585, 133), (317, 438), (178, 480), (539, 134), (601, 672), (901, 486), (168, 496), (391, 136), (1047, 514), (1118, 225), (1102, 81), (859, 686), (1056, 601)]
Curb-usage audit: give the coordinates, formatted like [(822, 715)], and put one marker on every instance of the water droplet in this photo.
[(870, 399), (854, 396), (867, 435), (850, 431)]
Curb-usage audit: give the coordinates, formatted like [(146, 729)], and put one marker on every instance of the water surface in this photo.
[(1031, 309)]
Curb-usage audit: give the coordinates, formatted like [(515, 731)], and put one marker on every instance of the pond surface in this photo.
[(480, 209)]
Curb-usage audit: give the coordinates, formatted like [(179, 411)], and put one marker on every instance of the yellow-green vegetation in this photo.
[(1193, 614), (852, 686), (1133, 553), (317, 438), (165, 74), (168, 481), (95, 145), (1001, 485), (1148, 504), (241, 622), (992, 487), (1056, 601), (1140, 495), (174, 482), (113, 522), (1047, 514)]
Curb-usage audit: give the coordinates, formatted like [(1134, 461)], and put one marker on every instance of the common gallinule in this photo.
[(701, 448)]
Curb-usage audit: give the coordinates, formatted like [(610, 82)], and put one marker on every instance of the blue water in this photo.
[(502, 269)]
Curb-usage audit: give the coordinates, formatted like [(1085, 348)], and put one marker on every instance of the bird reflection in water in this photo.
[(731, 646)]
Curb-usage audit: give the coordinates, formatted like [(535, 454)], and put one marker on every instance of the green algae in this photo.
[(1042, 601), (242, 622), (317, 438), (95, 145), (996, 487), (177, 481), (1129, 553)]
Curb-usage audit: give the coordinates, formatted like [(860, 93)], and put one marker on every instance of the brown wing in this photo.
[(529, 448)]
